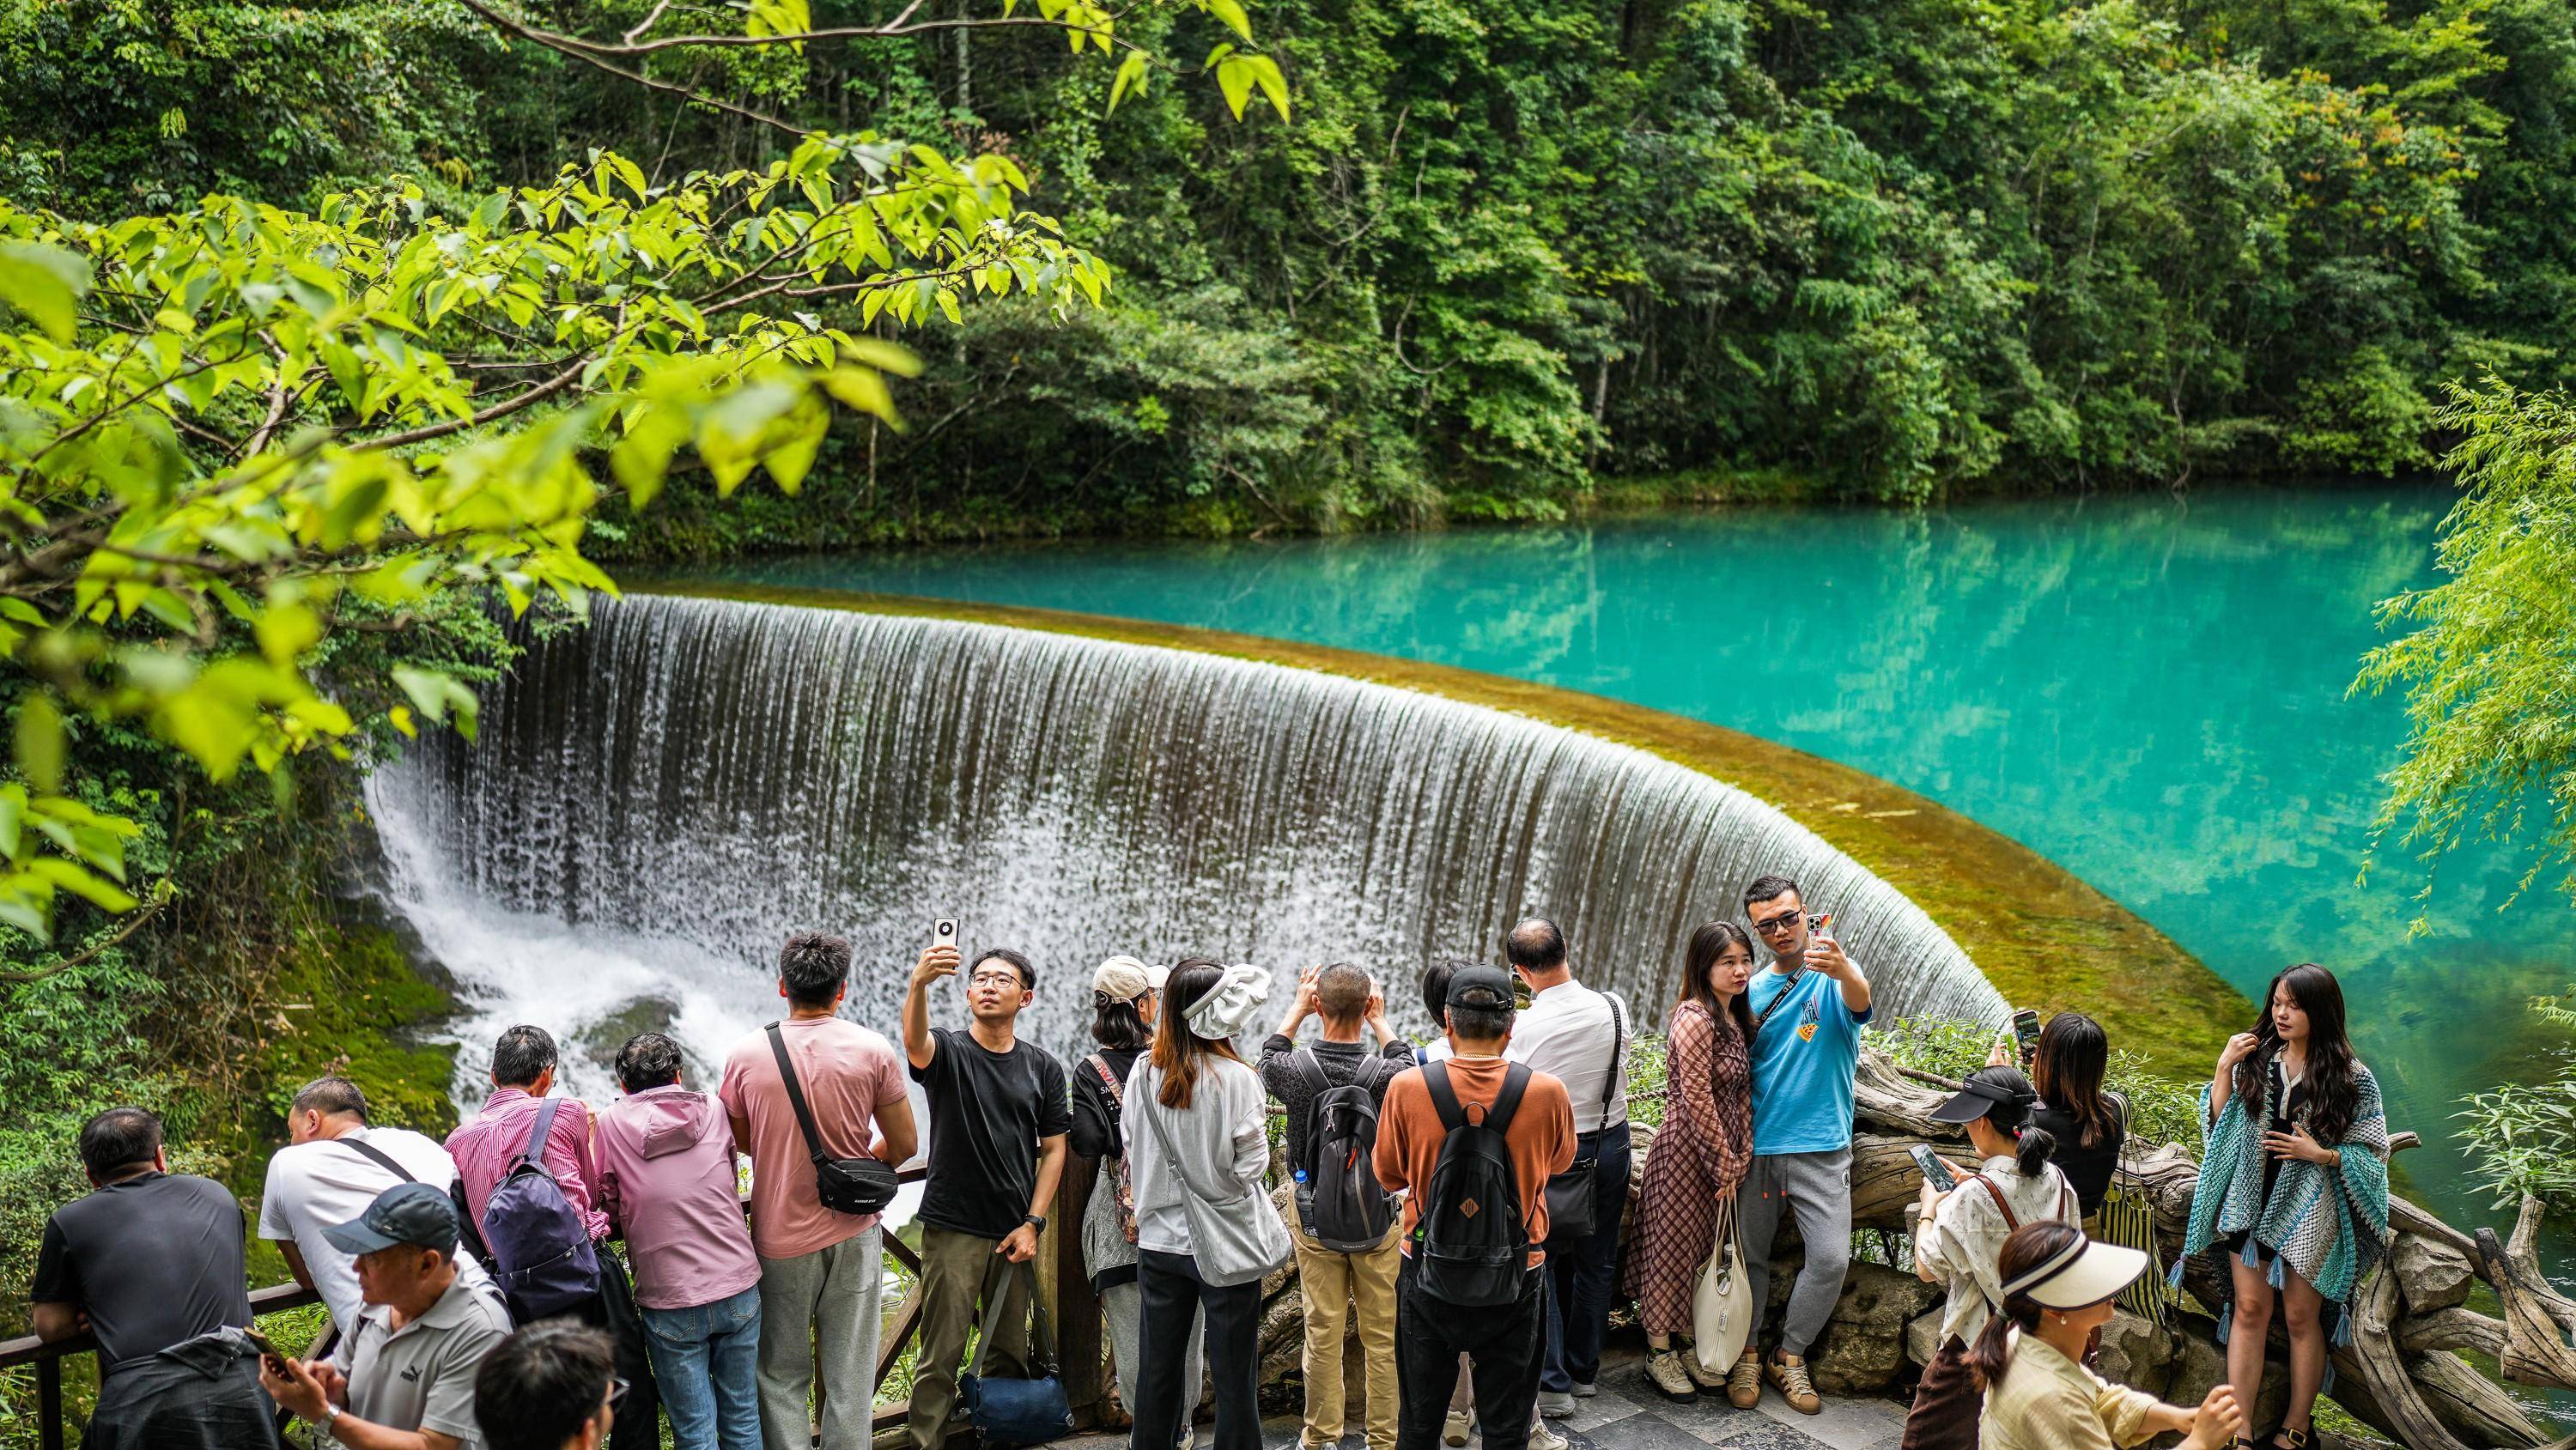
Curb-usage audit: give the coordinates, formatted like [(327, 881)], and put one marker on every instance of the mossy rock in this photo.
[(350, 1001)]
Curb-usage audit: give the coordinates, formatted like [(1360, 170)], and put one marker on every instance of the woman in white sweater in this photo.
[(1206, 1232)]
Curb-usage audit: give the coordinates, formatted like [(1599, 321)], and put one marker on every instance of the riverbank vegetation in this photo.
[(1506, 253)]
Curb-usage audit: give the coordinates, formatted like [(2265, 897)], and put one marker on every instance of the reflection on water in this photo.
[(2149, 691)]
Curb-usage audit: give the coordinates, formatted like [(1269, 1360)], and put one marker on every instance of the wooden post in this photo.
[(49, 1403), (1075, 1306)]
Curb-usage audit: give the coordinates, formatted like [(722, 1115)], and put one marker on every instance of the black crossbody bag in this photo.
[(844, 1185), (1572, 1196)]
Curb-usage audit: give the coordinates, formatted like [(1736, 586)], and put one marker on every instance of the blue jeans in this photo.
[(706, 1360), (1580, 1270)]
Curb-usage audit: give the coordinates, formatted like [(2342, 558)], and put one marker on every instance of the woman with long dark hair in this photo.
[(2089, 1124), (1197, 1149), (1125, 994), (1960, 1234), (1700, 1153), (2293, 1183), (2028, 1358)]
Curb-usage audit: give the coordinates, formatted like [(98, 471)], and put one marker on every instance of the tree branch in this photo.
[(579, 51)]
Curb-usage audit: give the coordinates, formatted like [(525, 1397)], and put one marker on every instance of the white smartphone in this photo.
[(943, 933)]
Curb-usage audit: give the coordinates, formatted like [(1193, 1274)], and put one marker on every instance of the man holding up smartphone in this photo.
[(999, 1117), (1808, 1009)]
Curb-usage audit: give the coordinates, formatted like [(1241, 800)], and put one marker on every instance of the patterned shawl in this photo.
[(2329, 1224)]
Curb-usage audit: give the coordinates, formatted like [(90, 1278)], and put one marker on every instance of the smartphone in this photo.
[(1934, 1170), (943, 932), (2026, 1029), (267, 1350), (1816, 923)]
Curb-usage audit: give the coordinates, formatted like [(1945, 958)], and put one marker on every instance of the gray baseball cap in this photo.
[(407, 1213)]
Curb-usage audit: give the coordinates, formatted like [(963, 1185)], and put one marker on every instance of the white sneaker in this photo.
[(1555, 1404), (1585, 1389), (1453, 1432), (1543, 1438)]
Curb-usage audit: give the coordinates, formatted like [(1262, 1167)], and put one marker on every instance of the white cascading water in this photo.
[(657, 800)]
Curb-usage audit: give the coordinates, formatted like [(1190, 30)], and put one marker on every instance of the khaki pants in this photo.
[(959, 1271), (1333, 1285)]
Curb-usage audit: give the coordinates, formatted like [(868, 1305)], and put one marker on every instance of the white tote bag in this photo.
[(1722, 1308)]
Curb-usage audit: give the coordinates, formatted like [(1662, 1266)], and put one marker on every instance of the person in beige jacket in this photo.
[(2058, 1287)]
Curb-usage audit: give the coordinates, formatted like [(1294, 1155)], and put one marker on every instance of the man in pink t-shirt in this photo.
[(821, 1274)]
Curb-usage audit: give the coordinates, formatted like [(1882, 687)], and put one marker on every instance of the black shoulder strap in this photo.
[(1618, 1050), (1508, 1101), (795, 1093), (1779, 999), (1313, 1068), (383, 1159), (1444, 1098)]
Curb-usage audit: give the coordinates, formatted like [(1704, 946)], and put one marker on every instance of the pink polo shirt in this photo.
[(666, 1175), (485, 1144), (848, 1073)]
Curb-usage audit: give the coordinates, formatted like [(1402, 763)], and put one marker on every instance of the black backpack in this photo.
[(1340, 1201), (1472, 1248)]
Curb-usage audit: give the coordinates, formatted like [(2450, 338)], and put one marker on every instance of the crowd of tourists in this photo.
[(557, 1275)]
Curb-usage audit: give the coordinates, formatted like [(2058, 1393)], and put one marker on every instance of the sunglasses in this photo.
[(1773, 926)]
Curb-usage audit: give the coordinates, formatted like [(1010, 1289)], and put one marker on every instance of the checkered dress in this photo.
[(1703, 1149)]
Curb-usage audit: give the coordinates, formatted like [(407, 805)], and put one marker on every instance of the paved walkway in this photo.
[(1629, 1415)]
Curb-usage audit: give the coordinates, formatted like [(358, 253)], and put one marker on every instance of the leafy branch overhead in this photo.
[(789, 24), (227, 433)]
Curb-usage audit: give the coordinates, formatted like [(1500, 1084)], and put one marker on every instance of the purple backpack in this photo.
[(541, 1253)]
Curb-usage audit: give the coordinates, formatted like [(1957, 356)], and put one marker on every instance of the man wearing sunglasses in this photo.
[(551, 1386), (1808, 1009), (999, 1116)]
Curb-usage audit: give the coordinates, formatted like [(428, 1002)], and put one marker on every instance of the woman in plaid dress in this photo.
[(1699, 1154)]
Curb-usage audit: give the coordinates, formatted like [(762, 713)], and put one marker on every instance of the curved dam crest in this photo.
[(658, 799)]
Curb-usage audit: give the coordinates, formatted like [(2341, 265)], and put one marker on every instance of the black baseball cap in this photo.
[(1480, 987), (407, 1213), (1976, 1099)]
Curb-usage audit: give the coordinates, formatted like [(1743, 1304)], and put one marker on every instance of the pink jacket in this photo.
[(666, 1175)]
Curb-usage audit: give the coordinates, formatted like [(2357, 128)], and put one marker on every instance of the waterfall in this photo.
[(656, 800)]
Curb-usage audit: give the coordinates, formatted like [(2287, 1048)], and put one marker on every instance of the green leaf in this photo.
[(40, 740), (1232, 14), (1265, 71), (44, 284), (1131, 72), (1234, 78)]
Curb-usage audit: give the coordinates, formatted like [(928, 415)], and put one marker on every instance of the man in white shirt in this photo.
[(1580, 1037), (333, 1167)]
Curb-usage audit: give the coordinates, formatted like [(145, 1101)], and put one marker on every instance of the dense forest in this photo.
[(1508, 258)]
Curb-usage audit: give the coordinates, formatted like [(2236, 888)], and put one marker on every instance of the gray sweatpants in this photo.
[(1817, 1188), (821, 1312)]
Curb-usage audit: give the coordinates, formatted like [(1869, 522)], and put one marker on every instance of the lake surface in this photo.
[(2149, 691)]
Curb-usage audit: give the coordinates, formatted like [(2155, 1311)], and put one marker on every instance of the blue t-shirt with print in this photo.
[(1803, 1063)]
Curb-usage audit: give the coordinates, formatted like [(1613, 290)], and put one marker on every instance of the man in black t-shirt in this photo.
[(148, 1260), (998, 1119)]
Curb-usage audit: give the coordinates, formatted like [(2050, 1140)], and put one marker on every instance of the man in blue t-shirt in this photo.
[(1809, 1008)]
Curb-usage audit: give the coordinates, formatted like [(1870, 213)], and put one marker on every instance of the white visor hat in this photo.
[(2084, 1273)]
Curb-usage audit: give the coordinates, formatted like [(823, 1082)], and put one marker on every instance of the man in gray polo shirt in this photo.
[(403, 1378)]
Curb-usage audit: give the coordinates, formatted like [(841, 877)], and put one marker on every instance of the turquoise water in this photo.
[(2148, 691)]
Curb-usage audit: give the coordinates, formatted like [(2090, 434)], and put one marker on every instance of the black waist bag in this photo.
[(844, 1185), (1574, 1196)]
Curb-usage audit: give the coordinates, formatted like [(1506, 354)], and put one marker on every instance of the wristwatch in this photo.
[(1035, 1220), (330, 1415)]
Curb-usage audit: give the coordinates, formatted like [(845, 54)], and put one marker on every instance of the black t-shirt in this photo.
[(987, 1112), (2088, 1169), (153, 1261)]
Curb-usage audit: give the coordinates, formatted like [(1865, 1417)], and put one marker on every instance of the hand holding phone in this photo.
[(1935, 1172), (2026, 1031)]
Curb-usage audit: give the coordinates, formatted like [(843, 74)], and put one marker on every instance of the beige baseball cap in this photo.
[(1124, 979)]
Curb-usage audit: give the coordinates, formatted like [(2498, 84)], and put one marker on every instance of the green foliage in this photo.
[(2490, 650), (2522, 1139)]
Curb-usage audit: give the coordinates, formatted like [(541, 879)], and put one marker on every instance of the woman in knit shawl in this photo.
[(2293, 1184)]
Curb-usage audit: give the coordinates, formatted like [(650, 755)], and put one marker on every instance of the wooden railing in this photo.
[(1061, 1280)]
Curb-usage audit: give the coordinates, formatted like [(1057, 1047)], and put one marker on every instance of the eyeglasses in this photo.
[(994, 979), (1773, 926)]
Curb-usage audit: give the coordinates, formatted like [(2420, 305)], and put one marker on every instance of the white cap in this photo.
[(1124, 979), (2084, 1273)]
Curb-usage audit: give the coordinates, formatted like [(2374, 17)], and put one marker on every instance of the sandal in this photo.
[(2286, 1438)]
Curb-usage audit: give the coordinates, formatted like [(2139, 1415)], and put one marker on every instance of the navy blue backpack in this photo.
[(541, 1253)]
